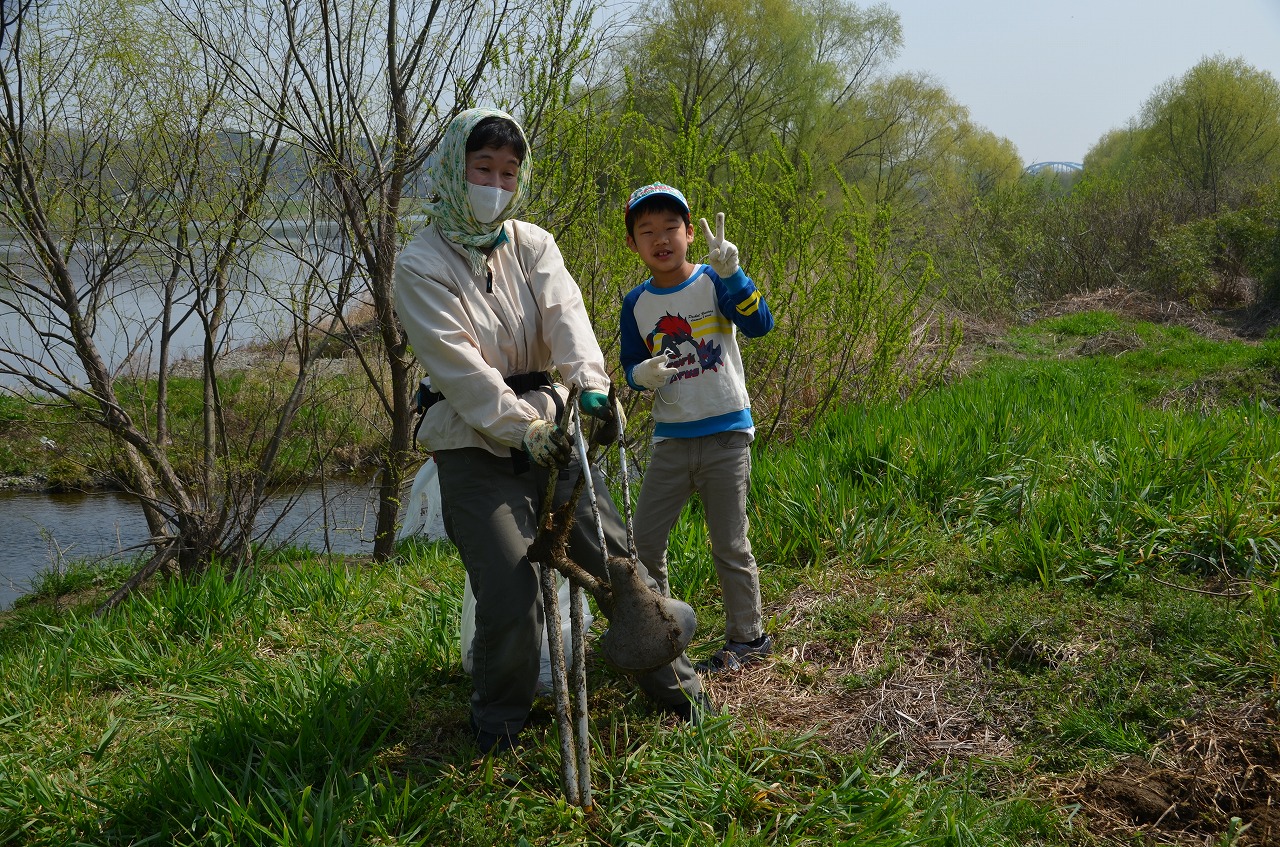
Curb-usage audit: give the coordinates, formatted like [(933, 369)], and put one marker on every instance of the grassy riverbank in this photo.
[(48, 446), (1039, 605)]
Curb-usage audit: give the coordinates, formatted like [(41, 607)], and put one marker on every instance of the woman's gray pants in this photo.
[(490, 513)]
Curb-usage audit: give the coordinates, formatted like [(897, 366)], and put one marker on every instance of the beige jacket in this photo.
[(468, 339)]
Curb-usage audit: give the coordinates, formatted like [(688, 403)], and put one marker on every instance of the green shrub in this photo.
[(1214, 260)]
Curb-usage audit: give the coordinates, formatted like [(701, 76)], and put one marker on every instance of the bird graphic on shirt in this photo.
[(669, 333), (673, 330)]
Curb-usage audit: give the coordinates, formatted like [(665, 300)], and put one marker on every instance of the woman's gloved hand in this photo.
[(595, 404), (547, 445), (610, 415), (653, 373)]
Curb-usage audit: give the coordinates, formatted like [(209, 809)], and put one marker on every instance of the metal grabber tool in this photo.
[(646, 630)]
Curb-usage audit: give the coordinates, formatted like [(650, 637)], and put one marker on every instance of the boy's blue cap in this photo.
[(641, 194)]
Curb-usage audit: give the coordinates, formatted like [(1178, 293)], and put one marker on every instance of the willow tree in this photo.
[(743, 74), (1217, 126), (119, 176), (372, 86)]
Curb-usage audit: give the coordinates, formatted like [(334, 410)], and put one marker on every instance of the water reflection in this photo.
[(265, 290), (44, 531)]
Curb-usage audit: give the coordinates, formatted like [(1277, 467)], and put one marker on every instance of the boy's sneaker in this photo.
[(735, 654)]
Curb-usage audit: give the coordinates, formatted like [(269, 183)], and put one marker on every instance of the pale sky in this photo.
[(1053, 77)]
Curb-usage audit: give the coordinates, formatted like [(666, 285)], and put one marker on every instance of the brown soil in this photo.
[(1218, 325), (1244, 323), (1206, 772), (1110, 344), (916, 714), (921, 706)]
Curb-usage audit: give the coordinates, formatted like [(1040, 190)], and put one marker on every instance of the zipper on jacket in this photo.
[(488, 288)]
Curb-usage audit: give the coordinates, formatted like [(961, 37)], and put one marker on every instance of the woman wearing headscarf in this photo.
[(490, 310)]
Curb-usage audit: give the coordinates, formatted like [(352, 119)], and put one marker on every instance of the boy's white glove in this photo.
[(653, 373), (722, 255), (547, 445)]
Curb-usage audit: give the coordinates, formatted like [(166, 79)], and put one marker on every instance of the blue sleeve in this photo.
[(634, 350), (741, 302)]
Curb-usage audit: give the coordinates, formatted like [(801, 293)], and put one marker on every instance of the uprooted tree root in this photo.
[(1203, 773)]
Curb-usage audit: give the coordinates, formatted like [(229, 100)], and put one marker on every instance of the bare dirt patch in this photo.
[(1110, 344), (925, 702), (268, 360), (1204, 773), (1143, 306), (1248, 323), (1206, 396), (917, 714)]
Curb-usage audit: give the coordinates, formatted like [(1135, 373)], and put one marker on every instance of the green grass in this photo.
[(1059, 549), (333, 430), (1053, 470), (320, 703)]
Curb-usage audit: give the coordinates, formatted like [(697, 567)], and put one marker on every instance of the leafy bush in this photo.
[(1134, 227), (1215, 260), (855, 319)]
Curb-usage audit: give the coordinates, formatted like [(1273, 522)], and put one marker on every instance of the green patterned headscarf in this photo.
[(447, 169)]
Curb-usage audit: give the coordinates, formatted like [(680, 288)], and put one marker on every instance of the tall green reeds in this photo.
[(1015, 515), (320, 703), (237, 710), (1056, 469)]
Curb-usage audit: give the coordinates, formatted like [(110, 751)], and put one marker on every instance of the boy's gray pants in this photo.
[(491, 514), (718, 468)]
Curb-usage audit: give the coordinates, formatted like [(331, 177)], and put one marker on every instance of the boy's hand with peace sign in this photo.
[(722, 255)]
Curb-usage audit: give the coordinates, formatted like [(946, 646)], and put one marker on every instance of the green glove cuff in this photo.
[(595, 404)]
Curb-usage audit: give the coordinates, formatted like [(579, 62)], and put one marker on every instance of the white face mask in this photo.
[(487, 201)]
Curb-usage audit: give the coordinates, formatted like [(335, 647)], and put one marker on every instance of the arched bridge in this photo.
[(1056, 167)]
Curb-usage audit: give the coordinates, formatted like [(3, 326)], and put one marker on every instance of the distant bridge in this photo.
[(1055, 167)]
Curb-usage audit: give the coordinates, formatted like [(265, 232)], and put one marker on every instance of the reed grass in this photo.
[(290, 707), (1055, 470)]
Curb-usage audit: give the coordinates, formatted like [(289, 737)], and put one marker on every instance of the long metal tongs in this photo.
[(549, 550), (571, 706)]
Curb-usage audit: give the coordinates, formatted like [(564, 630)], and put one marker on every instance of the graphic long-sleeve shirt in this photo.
[(695, 325)]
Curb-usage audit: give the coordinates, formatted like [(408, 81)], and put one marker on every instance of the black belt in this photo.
[(519, 383), (427, 397)]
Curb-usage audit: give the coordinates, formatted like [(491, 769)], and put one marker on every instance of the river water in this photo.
[(41, 532), (265, 287)]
